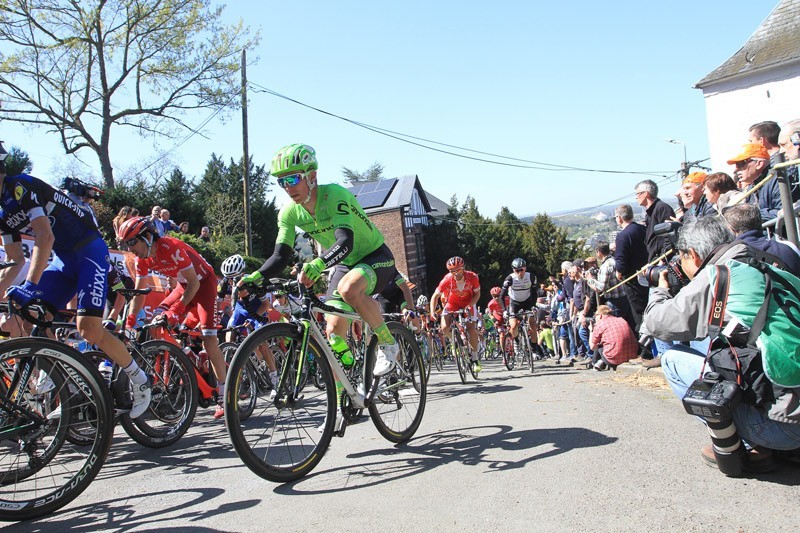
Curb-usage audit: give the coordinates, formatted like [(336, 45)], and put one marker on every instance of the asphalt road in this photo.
[(559, 450)]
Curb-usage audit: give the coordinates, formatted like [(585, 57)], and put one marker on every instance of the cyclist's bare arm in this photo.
[(42, 246)]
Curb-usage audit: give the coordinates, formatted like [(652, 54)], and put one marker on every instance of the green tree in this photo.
[(18, 162), (549, 244), (373, 173), (177, 195), (80, 68)]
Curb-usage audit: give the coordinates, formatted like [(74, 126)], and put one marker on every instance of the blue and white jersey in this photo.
[(25, 198)]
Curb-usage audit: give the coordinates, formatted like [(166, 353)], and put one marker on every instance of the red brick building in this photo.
[(400, 208)]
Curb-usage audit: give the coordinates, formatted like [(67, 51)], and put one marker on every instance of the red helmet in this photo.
[(134, 227), (455, 263), (495, 291)]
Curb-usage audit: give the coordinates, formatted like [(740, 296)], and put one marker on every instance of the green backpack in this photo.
[(766, 300)]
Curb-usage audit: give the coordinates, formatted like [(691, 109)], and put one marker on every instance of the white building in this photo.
[(759, 82)]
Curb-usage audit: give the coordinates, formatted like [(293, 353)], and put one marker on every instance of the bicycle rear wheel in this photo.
[(529, 349), (251, 380), (281, 440), (400, 400), (174, 396), (46, 387), (425, 348)]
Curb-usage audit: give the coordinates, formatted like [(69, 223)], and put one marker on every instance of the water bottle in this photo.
[(203, 360), (106, 369)]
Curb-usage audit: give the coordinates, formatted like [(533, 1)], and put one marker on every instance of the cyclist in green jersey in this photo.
[(353, 247)]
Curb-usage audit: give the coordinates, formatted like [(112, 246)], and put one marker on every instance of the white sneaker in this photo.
[(44, 383), (141, 398), (336, 427), (387, 355)]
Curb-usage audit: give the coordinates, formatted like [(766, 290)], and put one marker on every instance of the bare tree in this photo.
[(79, 68), (373, 173)]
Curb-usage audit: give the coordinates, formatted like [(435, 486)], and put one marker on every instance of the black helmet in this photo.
[(518, 263)]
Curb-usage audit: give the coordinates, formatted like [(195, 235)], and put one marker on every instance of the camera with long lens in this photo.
[(713, 399), (80, 189), (676, 277)]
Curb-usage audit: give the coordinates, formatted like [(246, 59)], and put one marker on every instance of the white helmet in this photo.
[(233, 266), (422, 301)]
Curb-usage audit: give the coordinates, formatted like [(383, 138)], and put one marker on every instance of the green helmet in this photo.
[(294, 158)]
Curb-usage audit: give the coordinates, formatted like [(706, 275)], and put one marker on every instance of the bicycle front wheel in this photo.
[(174, 396), (508, 352), (284, 438), (459, 351), (399, 402), (47, 387), (253, 381)]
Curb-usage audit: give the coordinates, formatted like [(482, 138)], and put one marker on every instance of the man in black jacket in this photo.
[(656, 212), (630, 254)]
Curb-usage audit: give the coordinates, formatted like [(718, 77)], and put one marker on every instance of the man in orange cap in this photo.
[(752, 167), (694, 201)]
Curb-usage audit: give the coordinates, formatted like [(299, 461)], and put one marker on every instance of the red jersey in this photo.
[(495, 309), (171, 257), (458, 295)]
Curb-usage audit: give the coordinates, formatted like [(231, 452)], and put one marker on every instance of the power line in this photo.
[(535, 165)]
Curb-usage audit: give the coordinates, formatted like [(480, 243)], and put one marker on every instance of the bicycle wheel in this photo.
[(458, 354), (174, 396), (251, 381), (529, 349), (424, 347), (47, 386), (400, 400), (281, 440), (508, 352)]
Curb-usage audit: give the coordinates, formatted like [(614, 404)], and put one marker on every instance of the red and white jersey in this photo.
[(495, 309), (173, 256), (458, 295)]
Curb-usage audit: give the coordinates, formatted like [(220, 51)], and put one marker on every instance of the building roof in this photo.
[(776, 42), (439, 209), (400, 193)]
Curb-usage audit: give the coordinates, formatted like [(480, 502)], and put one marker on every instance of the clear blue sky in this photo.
[(584, 84)]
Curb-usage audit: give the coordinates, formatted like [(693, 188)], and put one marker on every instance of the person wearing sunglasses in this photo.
[(352, 247), (519, 287), (80, 264), (752, 167), (459, 289), (195, 292)]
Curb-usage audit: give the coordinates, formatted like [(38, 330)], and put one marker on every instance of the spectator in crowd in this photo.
[(630, 255), (606, 280), (612, 340), (166, 225), (576, 312), (685, 317), (546, 339), (752, 167), (766, 134), (695, 203), (184, 228), (716, 184), (155, 212), (745, 221), (205, 234), (123, 215), (567, 285), (789, 140), (656, 212)]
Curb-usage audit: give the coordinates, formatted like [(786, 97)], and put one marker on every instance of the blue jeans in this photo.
[(583, 333), (682, 365)]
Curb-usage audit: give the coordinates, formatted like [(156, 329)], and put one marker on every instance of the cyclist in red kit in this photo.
[(196, 291), (460, 289)]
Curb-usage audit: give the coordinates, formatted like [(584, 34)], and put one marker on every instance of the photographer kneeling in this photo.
[(686, 317)]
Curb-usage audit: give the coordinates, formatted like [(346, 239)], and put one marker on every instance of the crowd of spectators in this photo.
[(610, 288), (161, 220)]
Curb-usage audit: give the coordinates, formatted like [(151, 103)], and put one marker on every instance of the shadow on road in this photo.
[(137, 512), (477, 446)]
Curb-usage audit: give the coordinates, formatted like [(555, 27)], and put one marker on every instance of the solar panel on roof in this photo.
[(373, 194)]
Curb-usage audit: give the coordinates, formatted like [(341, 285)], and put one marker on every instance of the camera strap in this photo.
[(718, 303)]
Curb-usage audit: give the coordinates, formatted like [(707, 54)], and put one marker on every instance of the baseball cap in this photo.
[(696, 177), (750, 151)]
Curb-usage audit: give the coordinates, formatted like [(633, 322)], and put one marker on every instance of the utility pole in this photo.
[(248, 230)]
